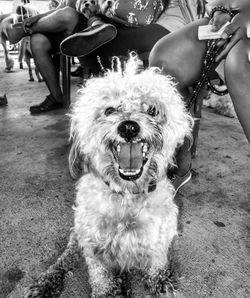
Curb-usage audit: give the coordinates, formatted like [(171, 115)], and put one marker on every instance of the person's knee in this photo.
[(160, 57), (68, 17), (39, 43)]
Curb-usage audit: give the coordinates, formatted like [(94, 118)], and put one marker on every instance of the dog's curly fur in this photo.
[(125, 129)]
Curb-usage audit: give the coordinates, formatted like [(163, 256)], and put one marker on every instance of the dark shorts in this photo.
[(138, 39)]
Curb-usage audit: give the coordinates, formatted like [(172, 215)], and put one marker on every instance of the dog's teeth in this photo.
[(129, 173), (118, 149), (145, 148)]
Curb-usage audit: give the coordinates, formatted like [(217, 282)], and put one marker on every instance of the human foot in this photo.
[(47, 105)]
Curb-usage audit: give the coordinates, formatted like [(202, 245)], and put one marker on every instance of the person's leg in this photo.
[(181, 55), (43, 46), (237, 75), (61, 20), (41, 49)]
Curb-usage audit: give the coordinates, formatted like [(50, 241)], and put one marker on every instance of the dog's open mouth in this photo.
[(131, 158)]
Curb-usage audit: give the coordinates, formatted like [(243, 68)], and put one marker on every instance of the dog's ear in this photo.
[(74, 161), (77, 161)]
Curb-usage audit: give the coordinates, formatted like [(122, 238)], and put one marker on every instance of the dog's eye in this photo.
[(152, 111), (109, 111)]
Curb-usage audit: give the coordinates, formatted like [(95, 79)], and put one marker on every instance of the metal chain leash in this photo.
[(211, 53)]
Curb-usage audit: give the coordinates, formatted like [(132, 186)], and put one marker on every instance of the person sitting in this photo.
[(181, 55), (138, 29), (47, 30)]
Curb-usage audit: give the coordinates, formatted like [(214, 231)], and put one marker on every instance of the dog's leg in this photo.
[(8, 60), (158, 278), (38, 75), (27, 60), (102, 281), (160, 282), (21, 52)]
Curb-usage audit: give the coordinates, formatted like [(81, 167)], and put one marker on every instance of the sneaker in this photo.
[(47, 105), (179, 181), (82, 43), (3, 100)]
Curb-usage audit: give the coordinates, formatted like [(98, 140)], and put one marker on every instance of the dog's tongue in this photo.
[(130, 157)]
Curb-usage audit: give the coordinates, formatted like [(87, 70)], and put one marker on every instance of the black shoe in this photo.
[(78, 72), (82, 43), (3, 100), (47, 105)]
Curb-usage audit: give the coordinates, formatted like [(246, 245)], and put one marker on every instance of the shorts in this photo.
[(178, 14)]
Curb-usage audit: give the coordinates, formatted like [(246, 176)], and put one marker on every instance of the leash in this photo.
[(211, 53)]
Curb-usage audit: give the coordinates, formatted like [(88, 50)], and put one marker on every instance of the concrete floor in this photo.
[(211, 256)]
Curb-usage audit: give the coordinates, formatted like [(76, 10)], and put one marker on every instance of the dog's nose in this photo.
[(128, 129)]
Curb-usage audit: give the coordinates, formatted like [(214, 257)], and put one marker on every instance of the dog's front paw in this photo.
[(161, 282), (49, 285), (113, 290)]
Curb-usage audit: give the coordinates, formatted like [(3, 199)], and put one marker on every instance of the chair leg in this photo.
[(195, 137), (65, 68), (197, 108)]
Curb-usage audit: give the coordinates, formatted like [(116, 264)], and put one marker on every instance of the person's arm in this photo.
[(236, 30)]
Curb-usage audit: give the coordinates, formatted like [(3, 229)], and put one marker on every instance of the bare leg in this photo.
[(27, 60), (181, 55), (61, 20), (237, 74), (41, 48)]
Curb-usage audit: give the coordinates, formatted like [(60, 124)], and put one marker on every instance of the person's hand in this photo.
[(27, 23), (235, 31)]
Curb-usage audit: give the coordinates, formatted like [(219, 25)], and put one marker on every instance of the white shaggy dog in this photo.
[(125, 130)]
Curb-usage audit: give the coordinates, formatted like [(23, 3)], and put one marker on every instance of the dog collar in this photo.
[(151, 186)]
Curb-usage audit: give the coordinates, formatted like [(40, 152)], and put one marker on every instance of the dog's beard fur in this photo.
[(105, 104), (119, 222)]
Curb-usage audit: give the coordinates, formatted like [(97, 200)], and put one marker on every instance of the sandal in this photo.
[(47, 105)]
